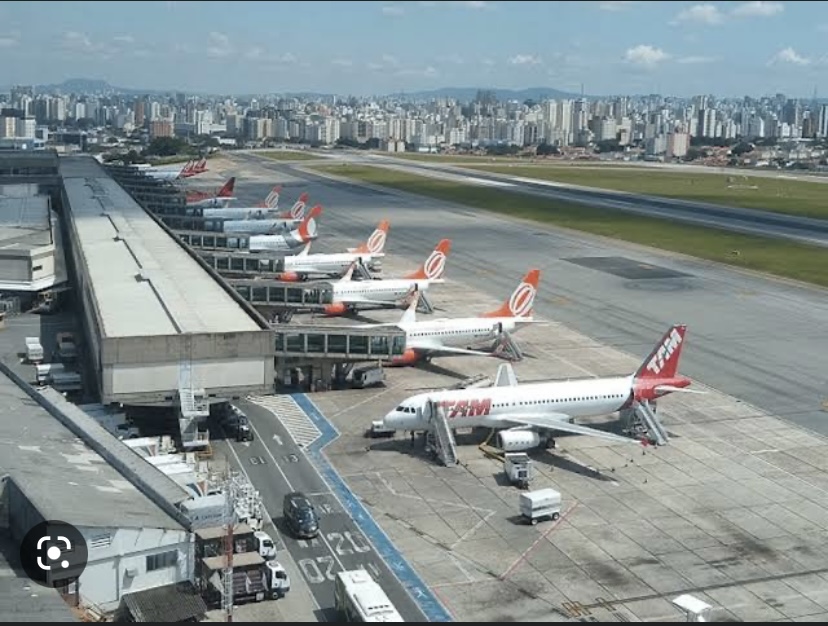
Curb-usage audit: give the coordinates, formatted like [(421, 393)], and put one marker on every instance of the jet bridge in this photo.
[(204, 240)]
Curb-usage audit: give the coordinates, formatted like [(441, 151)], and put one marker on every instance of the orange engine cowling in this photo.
[(336, 308), (289, 277), (409, 357)]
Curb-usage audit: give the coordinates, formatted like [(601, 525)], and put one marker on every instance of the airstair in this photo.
[(644, 421), (361, 272), (444, 443), (424, 305), (193, 407), (507, 348)]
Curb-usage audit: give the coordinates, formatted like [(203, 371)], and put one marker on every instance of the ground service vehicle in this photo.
[(359, 598)]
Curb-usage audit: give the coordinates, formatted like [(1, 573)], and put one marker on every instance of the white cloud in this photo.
[(789, 56), (426, 72), (616, 5), (342, 62), (385, 62), (254, 53), (9, 40), (124, 39), (79, 42), (219, 45), (474, 4), (393, 10), (758, 9), (525, 59), (701, 14), (696, 60), (388, 59), (645, 56), (454, 59), (488, 62)]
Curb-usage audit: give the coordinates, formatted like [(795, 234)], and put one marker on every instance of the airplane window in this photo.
[(400, 408)]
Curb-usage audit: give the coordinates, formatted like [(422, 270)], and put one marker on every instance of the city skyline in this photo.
[(375, 48)]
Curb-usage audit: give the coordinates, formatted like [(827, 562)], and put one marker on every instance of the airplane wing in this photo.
[(360, 300), (560, 421)]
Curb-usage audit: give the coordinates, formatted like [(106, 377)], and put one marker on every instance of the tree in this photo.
[(546, 149), (742, 148), (693, 154), (166, 146)]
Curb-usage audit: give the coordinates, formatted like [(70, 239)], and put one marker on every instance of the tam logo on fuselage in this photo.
[(664, 352), (466, 408)]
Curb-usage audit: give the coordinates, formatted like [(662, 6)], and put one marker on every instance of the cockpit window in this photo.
[(400, 408)]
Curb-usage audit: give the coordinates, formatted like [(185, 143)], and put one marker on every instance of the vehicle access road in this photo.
[(276, 465)]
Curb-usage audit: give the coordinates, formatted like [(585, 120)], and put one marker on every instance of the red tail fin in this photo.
[(227, 190), (664, 359), (435, 265), (376, 242), (307, 229), (201, 166), (520, 303)]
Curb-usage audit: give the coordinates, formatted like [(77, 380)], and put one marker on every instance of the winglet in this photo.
[(522, 300), (409, 316), (348, 275), (375, 244), (307, 229), (435, 265)]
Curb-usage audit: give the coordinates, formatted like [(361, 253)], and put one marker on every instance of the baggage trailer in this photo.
[(535, 505)]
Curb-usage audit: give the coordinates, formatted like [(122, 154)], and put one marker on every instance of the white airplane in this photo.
[(525, 414), (454, 337), (286, 242), (300, 266), (220, 198), (167, 173), (351, 295)]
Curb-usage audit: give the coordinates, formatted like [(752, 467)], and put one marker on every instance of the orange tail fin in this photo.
[(522, 300), (375, 244), (435, 265), (297, 211)]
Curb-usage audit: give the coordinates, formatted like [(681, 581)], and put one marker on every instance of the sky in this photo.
[(373, 48)]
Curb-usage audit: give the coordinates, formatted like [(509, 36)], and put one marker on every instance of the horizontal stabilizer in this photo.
[(670, 388)]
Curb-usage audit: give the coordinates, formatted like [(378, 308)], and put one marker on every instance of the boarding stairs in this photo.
[(643, 421), (361, 272), (193, 408), (507, 348), (444, 442)]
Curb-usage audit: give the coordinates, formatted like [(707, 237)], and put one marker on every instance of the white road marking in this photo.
[(294, 419)]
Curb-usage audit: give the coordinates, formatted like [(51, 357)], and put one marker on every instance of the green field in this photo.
[(771, 194), (290, 155), (782, 258)]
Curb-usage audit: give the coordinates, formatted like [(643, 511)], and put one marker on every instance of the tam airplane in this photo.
[(166, 173), (220, 198), (453, 337), (304, 233), (525, 414), (351, 295), (197, 168), (300, 266)]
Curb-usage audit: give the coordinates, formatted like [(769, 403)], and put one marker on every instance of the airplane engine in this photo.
[(518, 440), (409, 357), (336, 308), (290, 277)]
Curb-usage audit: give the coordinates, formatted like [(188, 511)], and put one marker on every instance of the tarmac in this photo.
[(734, 510)]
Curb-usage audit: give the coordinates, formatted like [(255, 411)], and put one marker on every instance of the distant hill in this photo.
[(467, 94), (92, 86)]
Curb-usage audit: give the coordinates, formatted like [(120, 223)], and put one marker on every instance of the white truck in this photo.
[(34, 351), (541, 503), (367, 376), (359, 598)]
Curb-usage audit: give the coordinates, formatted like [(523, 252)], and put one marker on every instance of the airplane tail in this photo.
[(307, 229), (663, 361), (187, 170), (375, 244), (227, 190), (201, 166), (522, 300), (272, 199), (297, 211), (435, 265)]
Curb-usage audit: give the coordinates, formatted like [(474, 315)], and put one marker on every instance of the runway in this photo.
[(759, 339), (746, 221)]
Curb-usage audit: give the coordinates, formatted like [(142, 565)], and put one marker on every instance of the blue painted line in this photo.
[(431, 607)]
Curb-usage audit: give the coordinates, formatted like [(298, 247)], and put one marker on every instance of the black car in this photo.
[(300, 515)]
